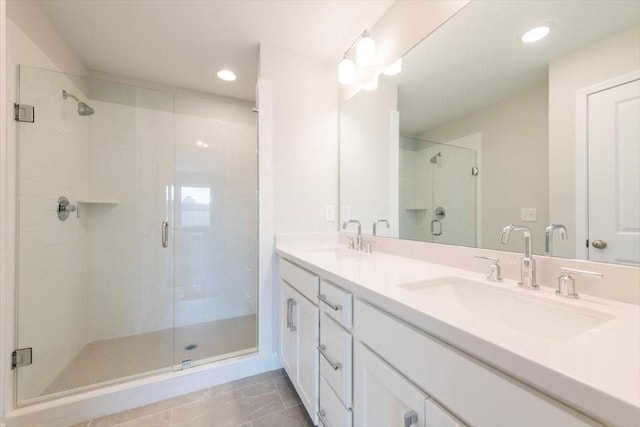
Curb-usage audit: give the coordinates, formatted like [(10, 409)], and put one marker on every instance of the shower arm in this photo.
[(66, 95)]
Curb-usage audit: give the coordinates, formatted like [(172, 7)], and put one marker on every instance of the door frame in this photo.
[(582, 157)]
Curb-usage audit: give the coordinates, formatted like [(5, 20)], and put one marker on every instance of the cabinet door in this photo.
[(382, 397), (288, 337), (306, 323)]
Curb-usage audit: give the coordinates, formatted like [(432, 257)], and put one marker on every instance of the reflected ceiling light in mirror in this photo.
[(346, 71), (226, 75), (536, 34), (394, 69), (372, 85), (366, 51), (201, 143)]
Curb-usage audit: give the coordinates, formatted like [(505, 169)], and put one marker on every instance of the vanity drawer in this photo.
[(337, 303), (474, 391), (336, 352), (332, 412), (302, 280)]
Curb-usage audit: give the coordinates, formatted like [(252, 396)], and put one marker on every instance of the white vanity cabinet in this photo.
[(299, 332), (383, 397)]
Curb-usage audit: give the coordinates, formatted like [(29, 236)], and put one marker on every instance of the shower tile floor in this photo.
[(108, 360), (264, 400)]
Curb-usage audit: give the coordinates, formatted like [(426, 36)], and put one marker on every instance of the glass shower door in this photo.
[(438, 192), (95, 285), (216, 229)]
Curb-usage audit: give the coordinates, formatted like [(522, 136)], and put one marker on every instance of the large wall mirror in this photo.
[(480, 130)]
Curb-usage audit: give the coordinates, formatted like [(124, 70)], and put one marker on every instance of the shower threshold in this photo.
[(106, 361)]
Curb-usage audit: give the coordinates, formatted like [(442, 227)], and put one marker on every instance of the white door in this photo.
[(614, 174), (306, 321), (288, 336), (381, 396)]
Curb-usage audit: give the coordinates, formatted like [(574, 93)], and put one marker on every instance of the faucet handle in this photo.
[(567, 284), (495, 274)]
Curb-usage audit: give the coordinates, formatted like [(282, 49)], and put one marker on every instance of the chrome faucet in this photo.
[(548, 236), (527, 263), (375, 225), (359, 238)]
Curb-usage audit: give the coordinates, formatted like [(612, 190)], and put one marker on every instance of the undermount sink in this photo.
[(553, 320)]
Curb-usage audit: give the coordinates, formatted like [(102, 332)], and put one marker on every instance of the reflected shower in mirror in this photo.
[(481, 129)]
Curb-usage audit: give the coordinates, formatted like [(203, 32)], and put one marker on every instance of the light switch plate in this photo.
[(528, 214), (330, 213)]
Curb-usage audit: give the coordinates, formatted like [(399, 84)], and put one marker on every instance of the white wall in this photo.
[(305, 139), (514, 129), (607, 59), (369, 147), (33, 41)]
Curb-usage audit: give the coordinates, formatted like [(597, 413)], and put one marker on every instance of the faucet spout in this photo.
[(527, 263), (359, 238), (379, 221), (548, 236)]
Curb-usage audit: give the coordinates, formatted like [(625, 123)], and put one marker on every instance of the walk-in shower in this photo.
[(156, 269), (438, 192)]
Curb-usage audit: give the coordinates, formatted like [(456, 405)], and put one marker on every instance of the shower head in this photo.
[(434, 159), (83, 108)]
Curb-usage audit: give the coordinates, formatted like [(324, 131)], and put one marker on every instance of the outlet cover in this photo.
[(528, 214)]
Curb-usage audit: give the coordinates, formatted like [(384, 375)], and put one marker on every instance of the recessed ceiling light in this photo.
[(535, 34), (226, 75)]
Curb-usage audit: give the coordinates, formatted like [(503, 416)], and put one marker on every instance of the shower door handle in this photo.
[(165, 233)]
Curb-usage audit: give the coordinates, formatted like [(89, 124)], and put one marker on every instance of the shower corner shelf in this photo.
[(96, 201)]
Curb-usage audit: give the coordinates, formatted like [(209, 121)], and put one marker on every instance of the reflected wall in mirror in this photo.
[(480, 130)]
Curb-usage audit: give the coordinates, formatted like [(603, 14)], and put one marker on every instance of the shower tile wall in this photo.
[(130, 289), (52, 254)]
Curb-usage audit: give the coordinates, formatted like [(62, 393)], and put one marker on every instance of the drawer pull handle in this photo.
[(335, 307), (323, 417), (289, 300), (335, 365), (293, 326), (410, 418)]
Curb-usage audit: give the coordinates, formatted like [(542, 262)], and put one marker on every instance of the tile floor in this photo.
[(102, 361), (264, 400)]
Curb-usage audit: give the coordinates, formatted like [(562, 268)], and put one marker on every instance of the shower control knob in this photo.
[(599, 244)]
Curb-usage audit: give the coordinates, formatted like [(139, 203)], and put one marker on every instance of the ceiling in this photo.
[(477, 59), (184, 43)]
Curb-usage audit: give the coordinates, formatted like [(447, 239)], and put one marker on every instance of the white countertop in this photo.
[(596, 372)]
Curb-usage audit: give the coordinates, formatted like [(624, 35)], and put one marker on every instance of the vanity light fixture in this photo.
[(536, 34), (365, 57), (346, 71), (365, 50), (394, 69), (226, 75)]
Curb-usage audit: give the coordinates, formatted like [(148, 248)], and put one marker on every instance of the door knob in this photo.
[(599, 244)]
